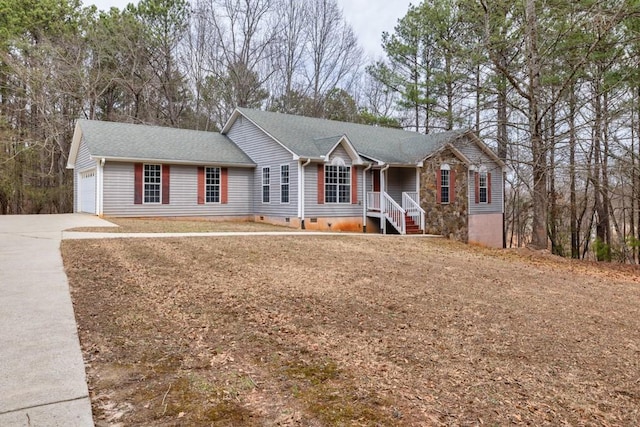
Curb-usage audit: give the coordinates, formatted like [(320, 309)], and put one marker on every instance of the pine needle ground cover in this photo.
[(352, 330)]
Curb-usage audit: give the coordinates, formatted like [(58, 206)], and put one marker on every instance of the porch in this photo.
[(394, 198), (406, 218)]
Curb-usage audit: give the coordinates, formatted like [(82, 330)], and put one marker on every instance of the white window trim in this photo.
[(219, 185), (336, 163), (144, 184), (265, 185), (445, 167), (481, 173), (288, 184)]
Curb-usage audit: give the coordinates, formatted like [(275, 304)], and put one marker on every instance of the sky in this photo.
[(369, 18)]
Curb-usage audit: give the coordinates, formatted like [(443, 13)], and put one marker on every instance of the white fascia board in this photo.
[(75, 147)]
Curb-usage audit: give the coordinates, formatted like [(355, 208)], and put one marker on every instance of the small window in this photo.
[(266, 186), (284, 184), (483, 187), (152, 183), (337, 184), (444, 185), (212, 185)]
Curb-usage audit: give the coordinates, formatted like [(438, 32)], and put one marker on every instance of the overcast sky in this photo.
[(369, 18)]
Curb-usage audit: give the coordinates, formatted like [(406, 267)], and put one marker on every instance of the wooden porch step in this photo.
[(411, 226)]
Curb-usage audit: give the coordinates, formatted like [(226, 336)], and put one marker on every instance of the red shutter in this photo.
[(452, 186), (438, 186), (354, 185), (224, 184), (201, 185), (321, 184), (166, 173), (137, 183), (488, 187), (477, 187)]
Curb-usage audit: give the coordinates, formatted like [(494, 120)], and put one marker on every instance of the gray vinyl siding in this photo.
[(265, 152), (83, 162), (479, 158), (313, 209), (183, 193), (370, 173), (400, 180), (341, 153)]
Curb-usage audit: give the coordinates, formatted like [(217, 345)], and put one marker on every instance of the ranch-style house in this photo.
[(296, 171)]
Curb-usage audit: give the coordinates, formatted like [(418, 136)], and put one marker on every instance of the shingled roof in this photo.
[(309, 137), (124, 141)]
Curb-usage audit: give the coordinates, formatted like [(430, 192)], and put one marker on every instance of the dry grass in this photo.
[(180, 225), (325, 330)]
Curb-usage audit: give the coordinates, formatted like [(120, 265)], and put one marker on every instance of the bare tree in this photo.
[(333, 51)]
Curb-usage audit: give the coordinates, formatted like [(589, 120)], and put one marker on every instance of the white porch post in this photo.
[(364, 197), (383, 189)]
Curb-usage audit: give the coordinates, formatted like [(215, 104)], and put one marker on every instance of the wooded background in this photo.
[(553, 86)]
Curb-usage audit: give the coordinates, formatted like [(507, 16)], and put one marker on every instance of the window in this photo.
[(152, 183), (444, 184), (284, 184), (212, 185), (482, 187), (337, 184), (266, 189)]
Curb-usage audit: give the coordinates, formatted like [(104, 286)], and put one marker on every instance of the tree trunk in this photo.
[(538, 149), (574, 226)]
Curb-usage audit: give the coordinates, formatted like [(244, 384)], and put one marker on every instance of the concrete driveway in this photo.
[(42, 377)]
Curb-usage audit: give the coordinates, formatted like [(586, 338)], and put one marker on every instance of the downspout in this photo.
[(301, 193), (383, 189), (364, 197)]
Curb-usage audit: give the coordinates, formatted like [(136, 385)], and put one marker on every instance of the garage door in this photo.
[(88, 191)]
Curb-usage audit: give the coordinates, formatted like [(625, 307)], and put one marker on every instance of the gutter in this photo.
[(174, 162)]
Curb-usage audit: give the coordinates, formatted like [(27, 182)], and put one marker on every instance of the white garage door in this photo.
[(88, 191)]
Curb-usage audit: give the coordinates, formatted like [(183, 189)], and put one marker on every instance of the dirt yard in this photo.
[(326, 330)]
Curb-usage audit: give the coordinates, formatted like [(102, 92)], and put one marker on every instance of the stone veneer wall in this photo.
[(450, 220)]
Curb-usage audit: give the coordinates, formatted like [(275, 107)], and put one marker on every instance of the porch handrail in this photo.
[(373, 200), (413, 208), (394, 213)]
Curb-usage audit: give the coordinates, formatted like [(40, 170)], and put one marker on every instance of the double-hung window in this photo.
[(482, 187), (337, 184), (212, 185), (445, 182), (266, 185), (284, 184), (152, 183)]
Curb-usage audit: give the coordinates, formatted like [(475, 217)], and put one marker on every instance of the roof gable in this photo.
[(333, 143), (130, 142)]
